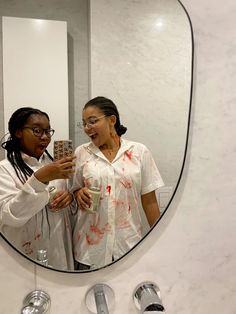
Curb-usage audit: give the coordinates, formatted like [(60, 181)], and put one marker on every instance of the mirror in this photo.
[(140, 55)]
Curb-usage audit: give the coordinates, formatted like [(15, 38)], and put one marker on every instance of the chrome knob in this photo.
[(147, 298), (36, 302)]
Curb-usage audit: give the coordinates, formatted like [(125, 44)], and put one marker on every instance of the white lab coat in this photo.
[(27, 222)]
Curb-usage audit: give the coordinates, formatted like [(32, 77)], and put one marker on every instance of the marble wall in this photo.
[(140, 51), (191, 255)]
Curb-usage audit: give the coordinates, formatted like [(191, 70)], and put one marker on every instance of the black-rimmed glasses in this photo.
[(37, 131)]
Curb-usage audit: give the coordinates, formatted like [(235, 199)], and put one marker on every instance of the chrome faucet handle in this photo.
[(147, 298), (29, 309), (100, 298), (36, 301)]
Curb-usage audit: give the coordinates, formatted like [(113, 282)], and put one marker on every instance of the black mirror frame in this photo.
[(180, 176)]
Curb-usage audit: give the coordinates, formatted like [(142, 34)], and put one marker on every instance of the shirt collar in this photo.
[(125, 145), (32, 161)]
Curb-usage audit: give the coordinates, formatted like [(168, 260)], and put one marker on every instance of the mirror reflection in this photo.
[(32, 219), (120, 176), (129, 142)]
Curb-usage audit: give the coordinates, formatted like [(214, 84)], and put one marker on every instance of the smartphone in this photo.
[(62, 148)]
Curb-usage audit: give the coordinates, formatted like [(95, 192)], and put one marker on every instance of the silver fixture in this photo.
[(147, 298), (36, 301), (100, 298), (42, 257)]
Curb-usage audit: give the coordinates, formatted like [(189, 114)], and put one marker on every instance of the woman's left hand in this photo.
[(61, 200)]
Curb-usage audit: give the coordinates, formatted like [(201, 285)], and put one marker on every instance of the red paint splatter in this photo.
[(97, 233), (109, 189), (90, 241), (27, 249), (127, 184), (122, 224), (96, 230), (28, 243), (129, 154), (117, 202), (37, 236)]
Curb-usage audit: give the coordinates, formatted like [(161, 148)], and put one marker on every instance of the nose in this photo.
[(44, 135), (87, 126), (45, 138)]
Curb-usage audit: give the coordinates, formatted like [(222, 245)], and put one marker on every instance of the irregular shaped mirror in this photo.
[(140, 55)]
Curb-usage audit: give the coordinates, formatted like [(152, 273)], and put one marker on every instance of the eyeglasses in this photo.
[(92, 121), (40, 131)]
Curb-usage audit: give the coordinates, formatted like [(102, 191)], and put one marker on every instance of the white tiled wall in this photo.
[(191, 255)]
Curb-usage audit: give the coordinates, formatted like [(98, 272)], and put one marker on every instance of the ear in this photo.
[(18, 133), (113, 119)]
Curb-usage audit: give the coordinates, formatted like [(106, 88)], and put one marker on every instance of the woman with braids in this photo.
[(127, 176), (26, 176)]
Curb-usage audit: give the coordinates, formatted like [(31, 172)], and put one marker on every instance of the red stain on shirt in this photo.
[(96, 230), (91, 241), (101, 231), (27, 247), (28, 243), (122, 224), (129, 154), (127, 184), (37, 236), (109, 189), (97, 234), (117, 202)]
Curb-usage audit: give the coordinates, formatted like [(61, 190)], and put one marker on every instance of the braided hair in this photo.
[(12, 144), (108, 107)]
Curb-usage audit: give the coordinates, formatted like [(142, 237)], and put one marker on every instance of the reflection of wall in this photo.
[(141, 58), (74, 12), (35, 71), (193, 257)]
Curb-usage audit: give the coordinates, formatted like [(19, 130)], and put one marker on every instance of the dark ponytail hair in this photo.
[(108, 107), (12, 145)]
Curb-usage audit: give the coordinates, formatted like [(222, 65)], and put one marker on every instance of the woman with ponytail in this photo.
[(27, 175), (127, 177)]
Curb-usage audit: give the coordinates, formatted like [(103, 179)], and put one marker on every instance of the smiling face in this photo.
[(98, 127), (31, 144)]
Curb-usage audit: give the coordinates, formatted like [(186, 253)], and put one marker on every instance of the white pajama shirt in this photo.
[(25, 220), (117, 225)]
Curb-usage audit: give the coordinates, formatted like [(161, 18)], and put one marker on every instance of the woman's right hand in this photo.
[(83, 198), (60, 169)]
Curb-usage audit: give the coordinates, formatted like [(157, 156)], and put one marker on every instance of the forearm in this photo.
[(22, 204), (152, 214), (151, 207)]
